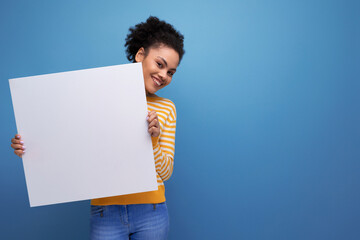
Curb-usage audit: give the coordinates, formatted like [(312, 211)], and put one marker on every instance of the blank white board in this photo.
[(85, 134)]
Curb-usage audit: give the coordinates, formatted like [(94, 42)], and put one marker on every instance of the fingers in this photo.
[(154, 131), (154, 123), (153, 119), (151, 116), (154, 127), (18, 145), (17, 141)]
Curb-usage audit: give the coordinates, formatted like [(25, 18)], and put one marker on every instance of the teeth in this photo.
[(157, 82)]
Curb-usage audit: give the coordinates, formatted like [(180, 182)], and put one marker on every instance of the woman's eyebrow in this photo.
[(166, 63)]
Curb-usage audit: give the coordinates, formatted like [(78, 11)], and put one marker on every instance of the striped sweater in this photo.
[(163, 146)]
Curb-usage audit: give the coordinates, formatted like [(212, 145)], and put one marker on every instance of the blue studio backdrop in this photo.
[(268, 105)]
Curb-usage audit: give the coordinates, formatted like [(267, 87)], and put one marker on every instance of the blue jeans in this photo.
[(135, 222)]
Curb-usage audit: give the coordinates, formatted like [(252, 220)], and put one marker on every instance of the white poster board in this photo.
[(85, 134)]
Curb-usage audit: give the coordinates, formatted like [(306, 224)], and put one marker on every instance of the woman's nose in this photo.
[(163, 75)]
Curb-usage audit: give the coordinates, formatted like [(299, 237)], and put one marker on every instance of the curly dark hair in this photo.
[(153, 33)]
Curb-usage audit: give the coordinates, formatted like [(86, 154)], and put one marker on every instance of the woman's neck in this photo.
[(150, 94)]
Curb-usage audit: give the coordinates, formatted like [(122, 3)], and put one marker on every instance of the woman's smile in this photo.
[(157, 81)]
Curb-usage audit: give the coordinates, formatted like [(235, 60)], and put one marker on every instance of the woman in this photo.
[(159, 47)]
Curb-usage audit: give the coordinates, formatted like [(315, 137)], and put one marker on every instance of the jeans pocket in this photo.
[(97, 210)]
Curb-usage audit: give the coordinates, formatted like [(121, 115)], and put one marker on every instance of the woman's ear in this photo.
[(140, 55)]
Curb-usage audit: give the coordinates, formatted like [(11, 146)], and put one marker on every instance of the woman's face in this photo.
[(159, 66)]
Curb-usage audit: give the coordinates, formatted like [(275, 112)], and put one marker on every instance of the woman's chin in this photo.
[(151, 91)]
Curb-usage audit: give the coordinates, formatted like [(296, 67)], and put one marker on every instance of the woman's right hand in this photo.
[(18, 145)]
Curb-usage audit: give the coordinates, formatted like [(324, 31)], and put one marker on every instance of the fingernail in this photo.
[(23, 147), (21, 142), (17, 137), (147, 118), (24, 151)]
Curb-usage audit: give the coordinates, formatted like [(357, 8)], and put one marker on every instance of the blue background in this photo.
[(268, 108)]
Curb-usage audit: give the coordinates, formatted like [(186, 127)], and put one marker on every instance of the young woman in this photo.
[(159, 47)]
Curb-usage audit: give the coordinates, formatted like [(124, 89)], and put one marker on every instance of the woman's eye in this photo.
[(170, 74), (159, 64)]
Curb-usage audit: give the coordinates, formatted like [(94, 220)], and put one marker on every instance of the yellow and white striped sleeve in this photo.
[(164, 145)]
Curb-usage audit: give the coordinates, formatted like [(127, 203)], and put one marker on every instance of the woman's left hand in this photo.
[(154, 127)]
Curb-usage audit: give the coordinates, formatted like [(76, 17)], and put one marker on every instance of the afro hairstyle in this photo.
[(153, 33)]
